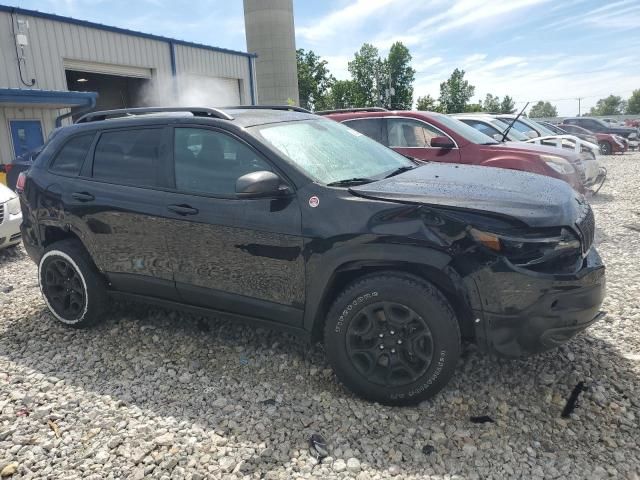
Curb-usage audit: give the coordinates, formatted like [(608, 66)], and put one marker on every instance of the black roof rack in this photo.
[(351, 110), (290, 108), (126, 112)]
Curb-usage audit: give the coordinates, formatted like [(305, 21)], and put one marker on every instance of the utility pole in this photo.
[(579, 99)]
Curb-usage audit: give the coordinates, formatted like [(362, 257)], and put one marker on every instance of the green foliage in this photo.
[(507, 105), (633, 104), (367, 72), (612, 105), (543, 110), (400, 76), (428, 104), (314, 80), (455, 93), (342, 95), (491, 104)]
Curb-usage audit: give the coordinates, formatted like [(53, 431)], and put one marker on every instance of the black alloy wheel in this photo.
[(390, 344), (64, 288)]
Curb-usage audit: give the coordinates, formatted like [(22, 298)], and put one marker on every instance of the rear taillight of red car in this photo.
[(22, 178)]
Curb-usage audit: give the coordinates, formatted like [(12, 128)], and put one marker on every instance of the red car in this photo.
[(608, 142), (430, 136)]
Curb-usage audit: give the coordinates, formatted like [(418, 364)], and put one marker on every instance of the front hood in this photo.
[(6, 194), (536, 148), (536, 200)]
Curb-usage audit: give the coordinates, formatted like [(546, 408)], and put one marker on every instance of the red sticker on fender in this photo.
[(314, 202)]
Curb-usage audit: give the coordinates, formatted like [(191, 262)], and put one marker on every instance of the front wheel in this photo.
[(605, 148), (392, 338)]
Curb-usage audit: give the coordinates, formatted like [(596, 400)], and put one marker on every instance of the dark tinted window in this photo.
[(371, 127), (128, 157), (210, 162), (71, 157)]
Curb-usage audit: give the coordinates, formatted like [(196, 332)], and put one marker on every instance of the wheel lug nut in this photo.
[(399, 342), (381, 347), (381, 335), (392, 332), (393, 350)]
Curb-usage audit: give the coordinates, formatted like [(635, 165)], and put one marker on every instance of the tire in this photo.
[(71, 286), (420, 346), (605, 148)]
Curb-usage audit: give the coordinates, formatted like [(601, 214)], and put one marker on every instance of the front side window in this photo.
[(210, 162), (128, 157), (330, 152), (70, 158), (407, 133)]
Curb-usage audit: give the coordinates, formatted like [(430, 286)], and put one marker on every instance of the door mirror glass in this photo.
[(259, 184), (442, 142)]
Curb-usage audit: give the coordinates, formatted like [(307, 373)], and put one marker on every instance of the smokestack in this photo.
[(271, 34)]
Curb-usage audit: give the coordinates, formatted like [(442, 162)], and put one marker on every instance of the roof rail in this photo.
[(290, 108), (126, 112), (351, 110)]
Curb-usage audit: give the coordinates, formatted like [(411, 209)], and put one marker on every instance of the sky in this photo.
[(555, 50)]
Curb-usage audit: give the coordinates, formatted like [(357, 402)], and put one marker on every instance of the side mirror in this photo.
[(498, 137), (532, 134), (442, 142), (259, 184)]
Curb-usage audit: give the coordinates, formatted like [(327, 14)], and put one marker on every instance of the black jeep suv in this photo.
[(292, 220)]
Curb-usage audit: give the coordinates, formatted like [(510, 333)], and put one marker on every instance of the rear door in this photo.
[(412, 137), (119, 199), (240, 255)]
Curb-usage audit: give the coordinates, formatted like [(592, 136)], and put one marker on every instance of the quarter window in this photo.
[(71, 157), (129, 157), (406, 133), (210, 162)]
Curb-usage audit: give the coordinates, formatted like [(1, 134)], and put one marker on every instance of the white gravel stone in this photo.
[(194, 398)]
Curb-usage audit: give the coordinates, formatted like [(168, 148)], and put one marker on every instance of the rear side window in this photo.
[(407, 133), (70, 158), (128, 157), (371, 127)]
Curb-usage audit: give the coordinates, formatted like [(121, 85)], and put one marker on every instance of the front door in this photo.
[(413, 138), (241, 255), (26, 135)]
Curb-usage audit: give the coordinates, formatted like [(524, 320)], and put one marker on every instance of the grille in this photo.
[(587, 227), (1, 212)]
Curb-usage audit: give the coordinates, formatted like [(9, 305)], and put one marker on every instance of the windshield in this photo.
[(330, 152), (468, 133), (544, 131), (512, 135)]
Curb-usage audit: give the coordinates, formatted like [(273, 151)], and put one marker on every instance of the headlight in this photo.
[(619, 140), (559, 164), (531, 250), (13, 206)]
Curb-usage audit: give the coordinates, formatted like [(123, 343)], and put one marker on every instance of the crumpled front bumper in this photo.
[(596, 184), (540, 312)]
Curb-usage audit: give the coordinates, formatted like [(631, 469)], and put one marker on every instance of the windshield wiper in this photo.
[(506, 132), (350, 181), (401, 170)]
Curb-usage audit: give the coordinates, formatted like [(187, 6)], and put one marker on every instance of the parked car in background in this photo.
[(10, 218), (607, 142), (491, 126), (579, 132), (430, 136), (598, 126), (294, 221)]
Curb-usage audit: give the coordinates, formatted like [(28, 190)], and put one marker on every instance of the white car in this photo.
[(10, 217)]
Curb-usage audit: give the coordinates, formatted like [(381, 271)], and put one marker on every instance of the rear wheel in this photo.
[(71, 285), (605, 148), (393, 338)]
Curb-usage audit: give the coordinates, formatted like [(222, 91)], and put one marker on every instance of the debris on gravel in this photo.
[(159, 394)]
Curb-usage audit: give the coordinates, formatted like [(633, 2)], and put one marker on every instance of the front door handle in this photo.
[(83, 196), (183, 209)]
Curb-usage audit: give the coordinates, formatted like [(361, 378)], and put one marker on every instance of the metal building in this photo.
[(50, 64), (270, 32)]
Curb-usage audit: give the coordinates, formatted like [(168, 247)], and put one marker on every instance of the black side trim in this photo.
[(210, 312), (143, 285)]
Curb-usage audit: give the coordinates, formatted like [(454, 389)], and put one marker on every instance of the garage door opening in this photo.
[(114, 91)]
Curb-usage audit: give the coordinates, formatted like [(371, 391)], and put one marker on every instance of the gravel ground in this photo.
[(158, 394)]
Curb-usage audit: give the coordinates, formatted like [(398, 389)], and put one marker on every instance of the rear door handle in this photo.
[(183, 209), (83, 196)]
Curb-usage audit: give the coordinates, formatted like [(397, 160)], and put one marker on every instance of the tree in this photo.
[(367, 72), (543, 110), (612, 105), (507, 105), (342, 95), (314, 80), (474, 107), (427, 103), (491, 103), (399, 76), (633, 105), (455, 93)]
